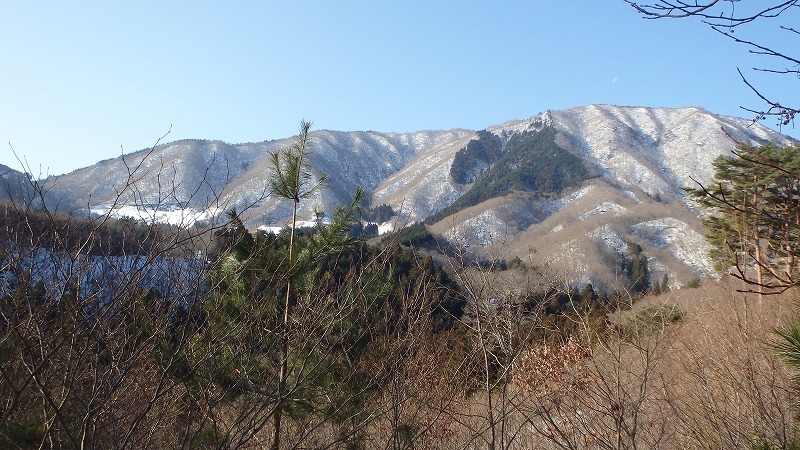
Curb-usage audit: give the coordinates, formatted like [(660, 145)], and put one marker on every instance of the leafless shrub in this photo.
[(729, 390)]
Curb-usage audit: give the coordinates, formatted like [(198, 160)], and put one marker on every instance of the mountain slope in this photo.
[(201, 178), (593, 181), (15, 185), (644, 157)]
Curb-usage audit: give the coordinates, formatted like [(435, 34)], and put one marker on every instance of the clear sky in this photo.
[(86, 81)]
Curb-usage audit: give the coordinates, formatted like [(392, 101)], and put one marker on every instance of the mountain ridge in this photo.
[(640, 159)]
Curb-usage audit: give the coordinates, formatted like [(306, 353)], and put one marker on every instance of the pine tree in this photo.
[(755, 224), (262, 281), (292, 180), (638, 269)]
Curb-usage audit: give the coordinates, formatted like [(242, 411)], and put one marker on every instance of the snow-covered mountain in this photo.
[(186, 180), (639, 159), (644, 157)]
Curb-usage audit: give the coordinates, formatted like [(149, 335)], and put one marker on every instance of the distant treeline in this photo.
[(104, 236)]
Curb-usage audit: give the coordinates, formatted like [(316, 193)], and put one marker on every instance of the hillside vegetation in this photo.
[(224, 337), (530, 162)]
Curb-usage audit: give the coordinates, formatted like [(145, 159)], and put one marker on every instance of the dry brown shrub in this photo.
[(704, 378), (548, 370), (728, 389)]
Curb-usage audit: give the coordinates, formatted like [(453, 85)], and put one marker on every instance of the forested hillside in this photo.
[(515, 186), (529, 162)]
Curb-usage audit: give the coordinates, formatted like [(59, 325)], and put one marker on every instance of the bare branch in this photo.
[(706, 10), (723, 17)]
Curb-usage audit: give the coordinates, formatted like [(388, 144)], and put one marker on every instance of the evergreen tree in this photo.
[(299, 322), (262, 282), (638, 269), (755, 227)]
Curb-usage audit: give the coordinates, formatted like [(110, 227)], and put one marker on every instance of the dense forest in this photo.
[(530, 162), (476, 157)]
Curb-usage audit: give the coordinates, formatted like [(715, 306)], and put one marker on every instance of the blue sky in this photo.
[(86, 81)]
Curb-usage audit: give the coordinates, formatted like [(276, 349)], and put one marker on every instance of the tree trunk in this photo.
[(282, 374)]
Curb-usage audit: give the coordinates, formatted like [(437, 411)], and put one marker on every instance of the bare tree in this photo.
[(87, 308), (730, 18), (500, 325)]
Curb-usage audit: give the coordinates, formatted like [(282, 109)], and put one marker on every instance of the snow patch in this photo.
[(609, 237), (171, 215), (385, 227), (484, 229), (604, 208), (682, 241)]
